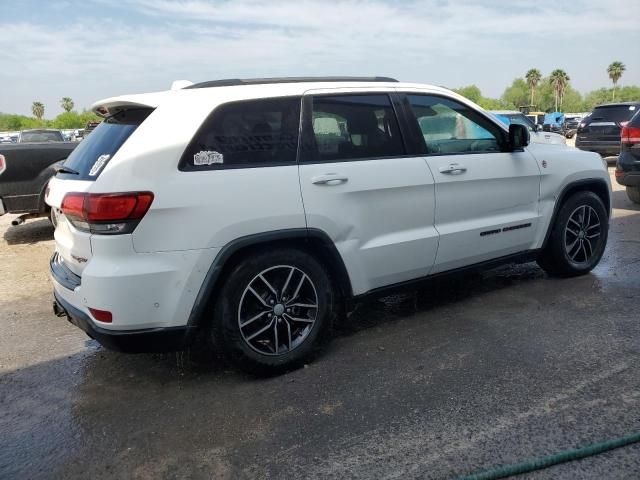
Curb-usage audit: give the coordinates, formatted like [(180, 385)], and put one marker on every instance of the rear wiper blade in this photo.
[(63, 169)]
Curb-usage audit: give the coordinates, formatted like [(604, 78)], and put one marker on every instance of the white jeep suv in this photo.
[(256, 211)]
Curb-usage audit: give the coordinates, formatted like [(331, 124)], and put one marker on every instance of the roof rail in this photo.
[(231, 82)]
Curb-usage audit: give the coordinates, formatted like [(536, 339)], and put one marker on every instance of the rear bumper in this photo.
[(21, 204), (628, 179), (628, 169), (604, 148), (129, 341)]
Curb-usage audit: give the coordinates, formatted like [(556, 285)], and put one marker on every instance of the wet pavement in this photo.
[(463, 375)]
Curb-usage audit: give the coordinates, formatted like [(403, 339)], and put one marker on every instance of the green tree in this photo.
[(68, 120), (559, 81), (629, 93), (471, 92), (615, 71), (38, 110), (67, 104), (533, 77), (517, 94)]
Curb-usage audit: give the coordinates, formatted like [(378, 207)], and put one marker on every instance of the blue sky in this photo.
[(93, 49)]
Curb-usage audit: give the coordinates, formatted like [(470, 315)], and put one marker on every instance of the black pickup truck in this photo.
[(25, 170)]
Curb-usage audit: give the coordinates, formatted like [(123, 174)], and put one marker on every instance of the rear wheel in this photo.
[(274, 311), (634, 194), (578, 236)]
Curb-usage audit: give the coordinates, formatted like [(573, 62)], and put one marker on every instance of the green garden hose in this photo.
[(562, 457)]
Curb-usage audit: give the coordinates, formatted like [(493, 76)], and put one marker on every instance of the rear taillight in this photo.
[(106, 213), (3, 164), (630, 135)]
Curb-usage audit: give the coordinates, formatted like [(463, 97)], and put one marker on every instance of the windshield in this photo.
[(41, 136), (95, 151)]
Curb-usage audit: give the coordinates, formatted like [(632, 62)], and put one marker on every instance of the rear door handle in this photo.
[(453, 169), (329, 179)]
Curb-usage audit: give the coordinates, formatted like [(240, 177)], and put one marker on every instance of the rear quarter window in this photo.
[(96, 150), (246, 134)]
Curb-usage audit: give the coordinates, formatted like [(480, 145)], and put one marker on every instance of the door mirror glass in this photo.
[(518, 136)]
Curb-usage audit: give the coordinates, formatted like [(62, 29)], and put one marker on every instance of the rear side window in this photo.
[(251, 133), (350, 127), (616, 113), (94, 152)]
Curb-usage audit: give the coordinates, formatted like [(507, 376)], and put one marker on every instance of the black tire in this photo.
[(634, 194), (554, 258), (234, 300)]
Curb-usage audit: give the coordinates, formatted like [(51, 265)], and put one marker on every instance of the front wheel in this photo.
[(634, 194), (274, 311), (578, 236)]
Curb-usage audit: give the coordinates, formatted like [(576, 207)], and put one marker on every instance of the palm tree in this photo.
[(38, 110), (533, 77), (615, 71), (67, 104), (559, 81)]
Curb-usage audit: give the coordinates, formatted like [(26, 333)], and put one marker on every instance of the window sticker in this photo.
[(632, 107), (207, 157), (99, 163)]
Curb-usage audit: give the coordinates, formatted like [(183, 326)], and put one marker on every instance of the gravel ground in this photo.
[(488, 369)]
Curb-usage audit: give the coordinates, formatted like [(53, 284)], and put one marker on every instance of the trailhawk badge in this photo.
[(206, 157)]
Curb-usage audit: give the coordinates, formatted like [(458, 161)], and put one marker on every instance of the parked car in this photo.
[(570, 126), (600, 131), (255, 212), (41, 135), (24, 172), (628, 164), (536, 117), (537, 135), (5, 137), (78, 134), (554, 122)]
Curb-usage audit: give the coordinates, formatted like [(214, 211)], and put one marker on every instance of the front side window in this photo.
[(251, 133), (449, 127), (349, 127)]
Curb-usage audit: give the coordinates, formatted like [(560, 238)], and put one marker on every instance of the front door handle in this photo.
[(329, 179), (453, 169)]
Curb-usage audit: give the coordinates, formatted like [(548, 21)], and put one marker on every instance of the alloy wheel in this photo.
[(278, 309), (582, 234)]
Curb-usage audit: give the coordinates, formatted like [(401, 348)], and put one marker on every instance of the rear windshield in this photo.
[(41, 136), (617, 113), (95, 151)]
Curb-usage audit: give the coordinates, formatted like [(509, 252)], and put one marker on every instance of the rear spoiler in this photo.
[(110, 106)]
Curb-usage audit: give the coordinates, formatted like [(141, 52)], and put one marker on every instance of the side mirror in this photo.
[(518, 136)]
